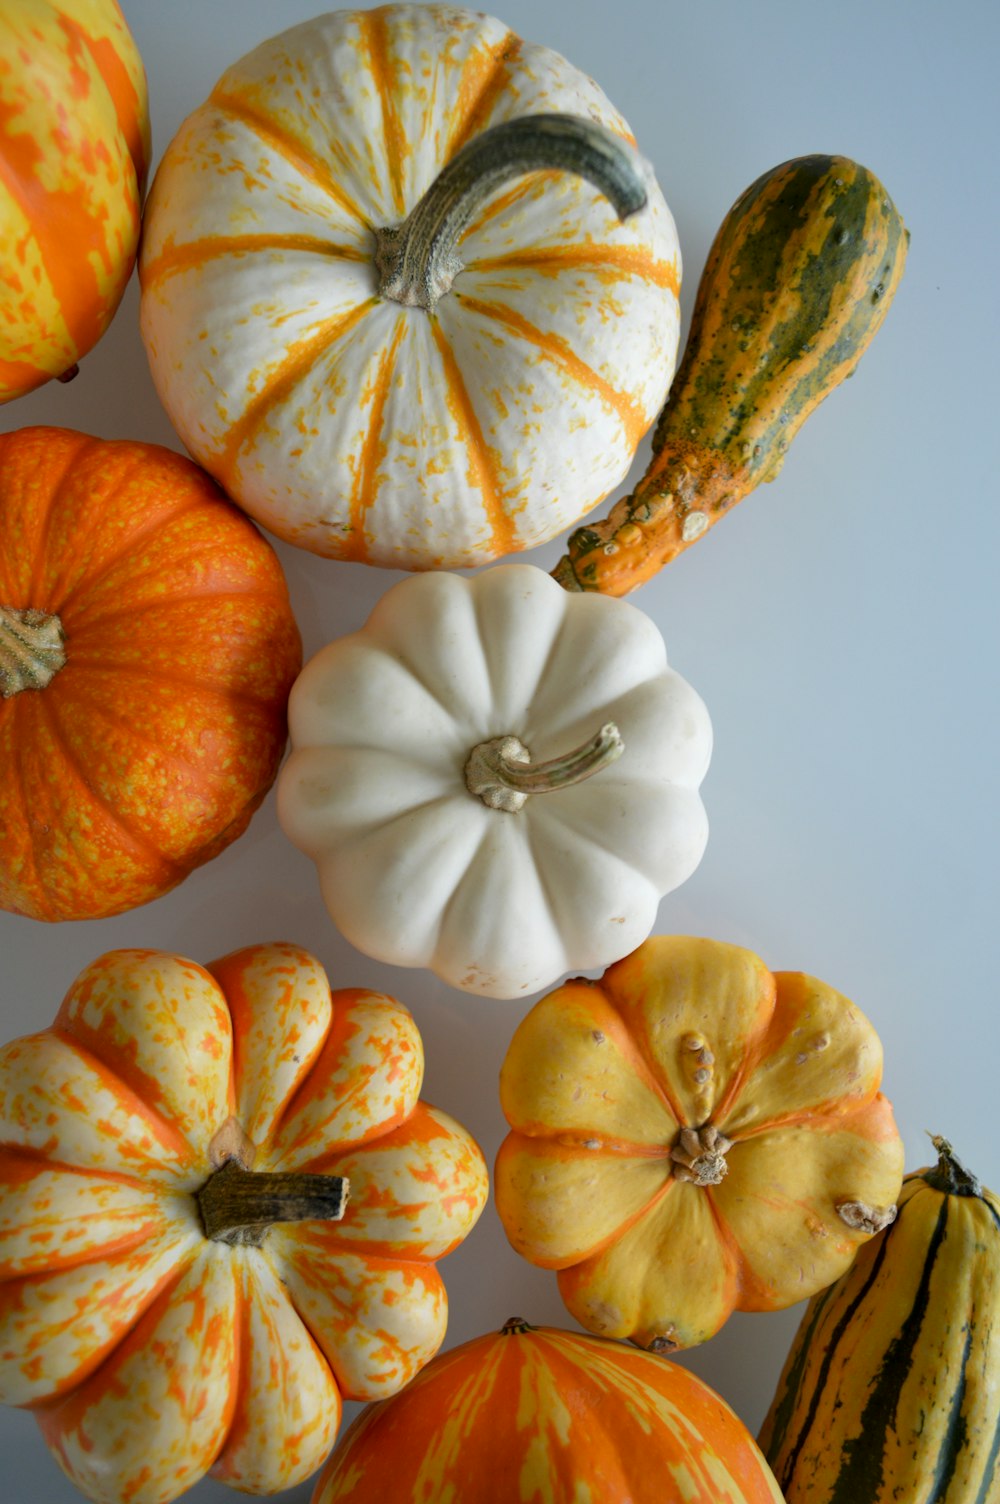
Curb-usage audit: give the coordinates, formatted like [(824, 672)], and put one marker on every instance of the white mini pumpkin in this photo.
[(499, 891), (298, 371)]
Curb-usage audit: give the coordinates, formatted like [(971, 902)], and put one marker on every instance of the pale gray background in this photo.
[(841, 624)]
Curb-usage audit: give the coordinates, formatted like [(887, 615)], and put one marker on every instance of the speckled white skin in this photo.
[(356, 427)]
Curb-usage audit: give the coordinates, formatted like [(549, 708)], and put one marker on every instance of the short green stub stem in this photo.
[(418, 260), (949, 1174), (501, 773), (515, 1326), (32, 649), (238, 1206)]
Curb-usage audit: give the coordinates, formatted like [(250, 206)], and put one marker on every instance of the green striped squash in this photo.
[(796, 286), (891, 1392)]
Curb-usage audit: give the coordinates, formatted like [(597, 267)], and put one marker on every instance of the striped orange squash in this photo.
[(693, 1135), (796, 286), (391, 334), (147, 648), (221, 1207), (74, 146), (534, 1414)]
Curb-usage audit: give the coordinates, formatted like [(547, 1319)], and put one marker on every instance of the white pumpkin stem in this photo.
[(238, 1206), (417, 261), (31, 649), (500, 771)]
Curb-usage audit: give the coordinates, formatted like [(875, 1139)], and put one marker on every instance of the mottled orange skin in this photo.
[(151, 1353), (74, 148), (601, 1080), (541, 1416), (148, 752)]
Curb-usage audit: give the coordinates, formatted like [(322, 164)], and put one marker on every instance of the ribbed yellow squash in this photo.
[(693, 1135), (891, 1392)]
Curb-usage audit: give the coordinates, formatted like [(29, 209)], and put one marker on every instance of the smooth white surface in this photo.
[(841, 624)]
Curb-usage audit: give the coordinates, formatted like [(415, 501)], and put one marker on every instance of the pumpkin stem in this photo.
[(699, 1156), (238, 1206), (417, 260), (515, 1325), (31, 649), (500, 771), (949, 1174)]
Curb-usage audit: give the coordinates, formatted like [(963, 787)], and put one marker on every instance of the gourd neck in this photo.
[(32, 649), (501, 774), (949, 1174), (417, 261)]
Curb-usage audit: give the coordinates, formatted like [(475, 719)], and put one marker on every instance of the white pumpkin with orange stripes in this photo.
[(150, 1312), (384, 361)]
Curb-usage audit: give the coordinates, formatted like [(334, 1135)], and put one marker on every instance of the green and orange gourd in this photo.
[(796, 286)]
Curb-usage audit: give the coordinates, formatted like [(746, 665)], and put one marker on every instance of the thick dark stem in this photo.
[(417, 261), (238, 1206), (949, 1174)]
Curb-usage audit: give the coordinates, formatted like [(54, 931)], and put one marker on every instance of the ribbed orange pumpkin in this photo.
[(539, 1414), (74, 146), (147, 647)]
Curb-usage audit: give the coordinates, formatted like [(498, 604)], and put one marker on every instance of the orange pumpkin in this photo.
[(74, 146), (693, 1135), (147, 647), (536, 1414), (176, 1290)]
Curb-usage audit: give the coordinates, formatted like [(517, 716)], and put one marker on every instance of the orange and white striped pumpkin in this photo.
[(362, 427), (160, 1327), (532, 1414), (74, 145)]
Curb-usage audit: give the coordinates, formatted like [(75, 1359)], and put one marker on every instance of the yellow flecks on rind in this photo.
[(384, 97), (548, 1417), (287, 1401), (72, 116), (157, 1352), (279, 1000)]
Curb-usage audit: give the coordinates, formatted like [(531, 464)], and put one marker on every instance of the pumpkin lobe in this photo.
[(31, 649), (417, 261), (239, 1206), (500, 771)]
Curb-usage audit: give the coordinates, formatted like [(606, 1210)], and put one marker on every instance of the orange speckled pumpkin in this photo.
[(538, 1414), (174, 1294), (74, 147), (693, 1135), (147, 647)]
